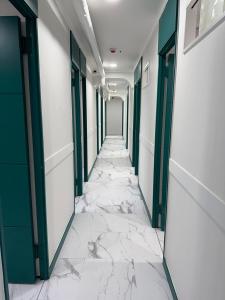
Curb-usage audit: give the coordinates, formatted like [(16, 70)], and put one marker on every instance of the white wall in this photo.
[(147, 126), (2, 292), (195, 238), (114, 117), (55, 74), (91, 122)]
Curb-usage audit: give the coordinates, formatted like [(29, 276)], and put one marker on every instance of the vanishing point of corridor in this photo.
[(111, 251)]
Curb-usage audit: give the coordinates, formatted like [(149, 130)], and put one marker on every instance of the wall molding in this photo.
[(206, 199), (58, 157), (149, 146)]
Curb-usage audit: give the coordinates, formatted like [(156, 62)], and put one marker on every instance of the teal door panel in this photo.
[(15, 195), (13, 142), (167, 137), (18, 246), (15, 191), (10, 57)]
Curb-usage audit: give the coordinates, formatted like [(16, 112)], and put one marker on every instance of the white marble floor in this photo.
[(111, 251)]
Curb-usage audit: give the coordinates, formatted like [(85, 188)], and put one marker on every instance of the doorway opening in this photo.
[(137, 116), (102, 118), (97, 120), (127, 126), (163, 129), (77, 132), (85, 135)]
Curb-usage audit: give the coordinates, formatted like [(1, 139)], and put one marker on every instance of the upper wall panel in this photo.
[(168, 23)]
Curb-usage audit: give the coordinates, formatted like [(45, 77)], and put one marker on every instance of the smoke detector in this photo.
[(113, 50)]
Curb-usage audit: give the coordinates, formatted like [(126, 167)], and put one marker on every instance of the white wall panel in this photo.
[(55, 74), (195, 238), (147, 129), (91, 124)]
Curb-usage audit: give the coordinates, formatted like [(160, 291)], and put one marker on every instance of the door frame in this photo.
[(158, 209), (122, 118), (97, 118), (102, 120), (105, 119), (127, 131), (85, 135), (137, 116), (76, 104), (37, 132)]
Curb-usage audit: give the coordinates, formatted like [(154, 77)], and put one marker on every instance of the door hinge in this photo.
[(26, 44), (36, 251)]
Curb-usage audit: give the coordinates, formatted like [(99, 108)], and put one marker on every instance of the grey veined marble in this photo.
[(111, 251)]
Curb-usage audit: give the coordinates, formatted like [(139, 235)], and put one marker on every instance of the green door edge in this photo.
[(102, 139), (157, 210), (77, 104), (97, 119), (137, 115), (85, 134), (127, 131)]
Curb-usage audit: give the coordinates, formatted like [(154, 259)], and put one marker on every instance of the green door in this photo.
[(15, 191), (77, 132), (166, 133), (102, 138), (97, 119), (136, 125)]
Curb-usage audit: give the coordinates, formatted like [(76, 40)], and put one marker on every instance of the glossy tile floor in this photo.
[(111, 252)]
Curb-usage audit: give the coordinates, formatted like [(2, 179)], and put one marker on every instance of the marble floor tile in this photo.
[(111, 252), (25, 292), (103, 280), (108, 236)]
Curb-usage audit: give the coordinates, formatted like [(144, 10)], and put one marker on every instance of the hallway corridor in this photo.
[(119, 256)]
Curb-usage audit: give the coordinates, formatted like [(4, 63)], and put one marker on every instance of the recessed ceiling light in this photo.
[(112, 1), (110, 65), (113, 84)]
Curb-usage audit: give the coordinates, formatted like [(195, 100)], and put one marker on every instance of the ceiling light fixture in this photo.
[(112, 1), (113, 84), (110, 65)]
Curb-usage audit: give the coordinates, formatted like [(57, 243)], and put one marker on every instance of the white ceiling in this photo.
[(125, 25)]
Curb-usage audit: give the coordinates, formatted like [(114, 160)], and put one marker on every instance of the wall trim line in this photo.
[(92, 168), (169, 279), (145, 204), (206, 199), (52, 265), (58, 157)]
